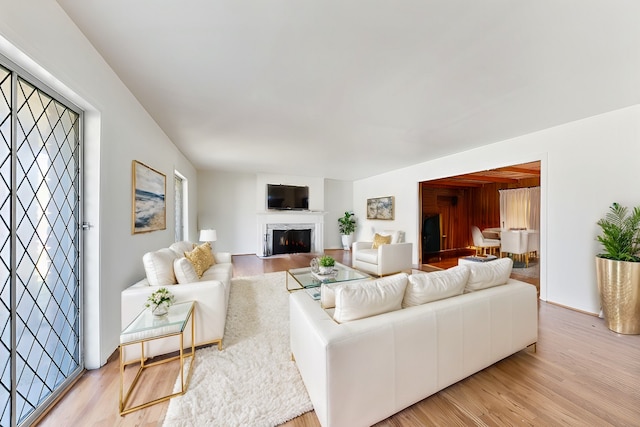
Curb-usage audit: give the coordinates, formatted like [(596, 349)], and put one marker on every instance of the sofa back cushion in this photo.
[(427, 287), (185, 273), (158, 266), (181, 247), (364, 299), (484, 275)]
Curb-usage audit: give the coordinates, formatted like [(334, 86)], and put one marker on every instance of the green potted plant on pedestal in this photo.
[(618, 269), (347, 225)]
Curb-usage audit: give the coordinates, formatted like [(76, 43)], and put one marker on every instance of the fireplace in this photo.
[(291, 241), (270, 222)]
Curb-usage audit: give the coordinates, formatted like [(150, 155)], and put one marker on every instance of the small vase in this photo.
[(160, 310), (326, 270)]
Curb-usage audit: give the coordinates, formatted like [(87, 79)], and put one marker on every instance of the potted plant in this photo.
[(160, 301), (347, 225), (325, 264), (618, 269)]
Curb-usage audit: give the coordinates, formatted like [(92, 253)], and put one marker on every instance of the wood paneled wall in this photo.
[(460, 208)]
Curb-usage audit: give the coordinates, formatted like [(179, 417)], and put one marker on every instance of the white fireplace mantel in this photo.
[(289, 219)]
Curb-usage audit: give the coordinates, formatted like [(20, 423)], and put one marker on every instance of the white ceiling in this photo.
[(347, 89)]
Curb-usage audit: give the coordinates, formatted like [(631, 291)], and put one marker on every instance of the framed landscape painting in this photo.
[(149, 207), (380, 208)]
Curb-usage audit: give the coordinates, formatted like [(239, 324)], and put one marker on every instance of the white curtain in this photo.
[(520, 208)]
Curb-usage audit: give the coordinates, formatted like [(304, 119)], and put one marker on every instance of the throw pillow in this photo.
[(364, 299), (396, 236), (158, 267), (427, 287), (200, 258), (379, 240), (206, 247), (328, 294), (484, 275), (185, 273)]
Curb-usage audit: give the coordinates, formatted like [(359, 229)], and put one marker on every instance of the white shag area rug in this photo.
[(252, 381)]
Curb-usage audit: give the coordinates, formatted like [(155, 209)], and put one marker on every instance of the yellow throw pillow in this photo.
[(379, 240), (206, 247), (201, 258)]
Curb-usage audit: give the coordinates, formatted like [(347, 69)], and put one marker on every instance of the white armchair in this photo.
[(390, 258)]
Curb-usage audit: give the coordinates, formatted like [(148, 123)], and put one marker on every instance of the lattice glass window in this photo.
[(40, 200), (5, 245)]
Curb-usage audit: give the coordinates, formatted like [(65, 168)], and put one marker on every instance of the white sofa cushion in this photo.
[(185, 273), (181, 247), (158, 266), (364, 299), (427, 287), (484, 275), (368, 255)]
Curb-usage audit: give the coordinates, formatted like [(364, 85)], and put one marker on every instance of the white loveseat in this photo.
[(164, 268), (384, 259), (362, 371)]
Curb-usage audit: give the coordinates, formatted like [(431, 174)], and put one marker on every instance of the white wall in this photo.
[(586, 165), (38, 36), (338, 199), (227, 203)]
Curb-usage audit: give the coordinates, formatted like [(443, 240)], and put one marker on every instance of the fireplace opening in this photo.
[(291, 241)]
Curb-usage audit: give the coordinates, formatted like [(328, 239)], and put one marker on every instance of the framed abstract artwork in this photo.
[(148, 194), (380, 208)]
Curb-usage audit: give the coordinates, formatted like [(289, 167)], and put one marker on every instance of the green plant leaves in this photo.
[(620, 236), (347, 224)]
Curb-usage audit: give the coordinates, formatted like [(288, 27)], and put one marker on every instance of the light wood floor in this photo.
[(582, 374)]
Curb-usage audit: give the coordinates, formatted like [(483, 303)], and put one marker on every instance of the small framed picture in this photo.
[(380, 208), (148, 193)]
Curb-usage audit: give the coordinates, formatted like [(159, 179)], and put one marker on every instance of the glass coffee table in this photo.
[(304, 278)]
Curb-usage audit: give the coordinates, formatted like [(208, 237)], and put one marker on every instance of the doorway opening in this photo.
[(450, 207)]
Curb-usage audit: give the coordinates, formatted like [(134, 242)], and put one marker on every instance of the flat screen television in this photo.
[(287, 197)]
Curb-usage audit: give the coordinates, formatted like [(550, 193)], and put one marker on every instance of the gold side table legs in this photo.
[(184, 380)]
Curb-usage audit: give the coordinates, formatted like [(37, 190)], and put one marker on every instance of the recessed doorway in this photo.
[(450, 206)]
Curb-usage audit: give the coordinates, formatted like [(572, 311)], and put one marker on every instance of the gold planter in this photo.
[(619, 286)]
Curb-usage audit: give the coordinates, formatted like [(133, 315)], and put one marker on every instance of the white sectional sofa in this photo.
[(166, 268), (359, 372)]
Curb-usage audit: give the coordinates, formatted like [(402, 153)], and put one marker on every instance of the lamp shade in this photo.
[(208, 235)]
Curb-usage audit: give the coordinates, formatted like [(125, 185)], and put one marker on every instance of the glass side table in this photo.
[(146, 327)]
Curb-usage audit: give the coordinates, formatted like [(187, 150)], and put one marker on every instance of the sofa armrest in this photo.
[(362, 245), (394, 258), (336, 361), (222, 257), (357, 246)]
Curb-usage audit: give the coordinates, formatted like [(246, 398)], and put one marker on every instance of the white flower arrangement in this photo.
[(160, 297)]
